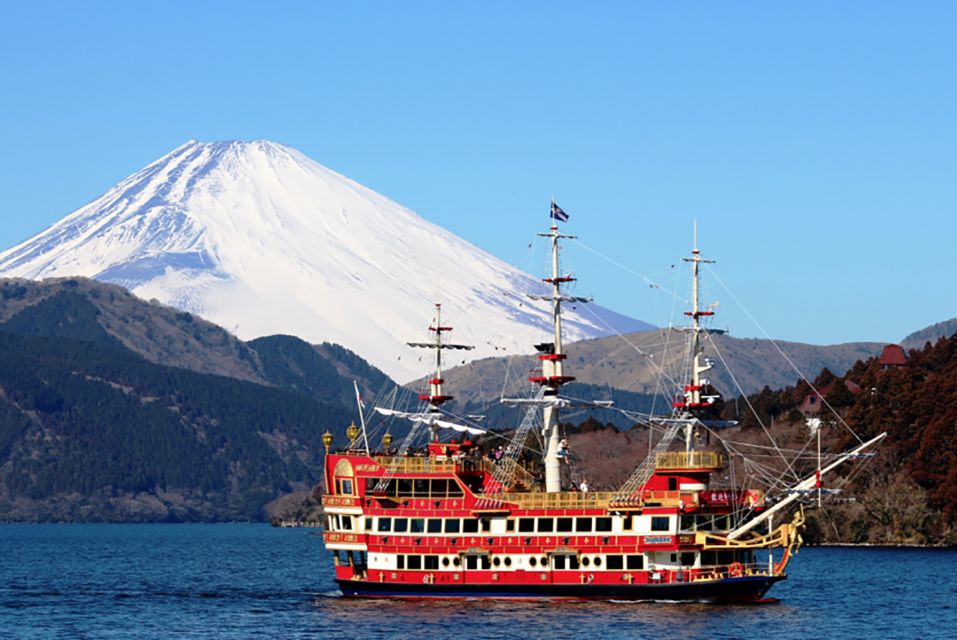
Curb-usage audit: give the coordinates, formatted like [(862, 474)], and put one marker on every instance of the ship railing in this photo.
[(441, 464), (420, 464), (733, 570), (689, 460), (563, 500)]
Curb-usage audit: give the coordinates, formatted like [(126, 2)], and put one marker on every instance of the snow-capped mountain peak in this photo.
[(260, 239)]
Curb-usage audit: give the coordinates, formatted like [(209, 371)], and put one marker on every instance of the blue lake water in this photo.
[(254, 581)]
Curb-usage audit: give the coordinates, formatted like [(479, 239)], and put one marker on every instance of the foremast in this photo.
[(436, 396)]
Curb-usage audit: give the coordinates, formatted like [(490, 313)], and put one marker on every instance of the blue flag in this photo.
[(557, 213)]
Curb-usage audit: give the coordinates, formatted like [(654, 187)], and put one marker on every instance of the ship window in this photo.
[(635, 562), (709, 558), (687, 558), (440, 488), (452, 525), (431, 563), (546, 525), (572, 562), (585, 561), (469, 525), (486, 525), (672, 484), (418, 525), (445, 562), (496, 561), (509, 526), (526, 525), (401, 525), (686, 523), (508, 562), (627, 523), (456, 561), (673, 558), (558, 562), (471, 562), (368, 526), (660, 523), (532, 561), (400, 562), (721, 523), (346, 523), (583, 525), (564, 525), (404, 487), (597, 561), (435, 525), (455, 490), (614, 563), (385, 524), (603, 524), (421, 487), (414, 562), (345, 486)]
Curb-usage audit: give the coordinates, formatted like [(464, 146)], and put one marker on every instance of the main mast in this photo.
[(552, 357)]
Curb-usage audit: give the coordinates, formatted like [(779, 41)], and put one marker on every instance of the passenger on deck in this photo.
[(563, 450)]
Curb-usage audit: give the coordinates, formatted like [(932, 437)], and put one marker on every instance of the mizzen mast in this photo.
[(693, 400)]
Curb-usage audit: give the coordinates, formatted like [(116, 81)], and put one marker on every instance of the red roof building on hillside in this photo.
[(893, 356), (811, 404)]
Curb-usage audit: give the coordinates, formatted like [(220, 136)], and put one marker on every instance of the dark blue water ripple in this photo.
[(253, 581)]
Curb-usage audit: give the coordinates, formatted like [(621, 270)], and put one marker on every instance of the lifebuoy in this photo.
[(736, 570)]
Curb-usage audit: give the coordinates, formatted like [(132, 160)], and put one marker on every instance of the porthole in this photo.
[(456, 561), (597, 561), (496, 561), (508, 562), (544, 561), (532, 561), (585, 561), (445, 562)]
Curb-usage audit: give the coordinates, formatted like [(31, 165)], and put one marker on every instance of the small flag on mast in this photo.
[(557, 213)]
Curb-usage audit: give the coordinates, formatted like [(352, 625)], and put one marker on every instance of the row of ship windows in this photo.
[(572, 561), (633, 562), (599, 524)]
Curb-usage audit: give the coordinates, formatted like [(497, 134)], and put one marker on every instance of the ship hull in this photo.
[(731, 590)]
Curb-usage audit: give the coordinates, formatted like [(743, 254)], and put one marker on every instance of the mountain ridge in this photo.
[(261, 240)]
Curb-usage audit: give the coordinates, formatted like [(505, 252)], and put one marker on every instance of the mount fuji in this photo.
[(260, 239)]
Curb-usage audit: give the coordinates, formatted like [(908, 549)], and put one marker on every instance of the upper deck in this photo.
[(461, 482)]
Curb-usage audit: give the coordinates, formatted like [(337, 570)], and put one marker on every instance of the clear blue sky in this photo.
[(816, 143)]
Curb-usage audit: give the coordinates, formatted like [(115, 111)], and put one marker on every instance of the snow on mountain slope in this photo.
[(260, 239)]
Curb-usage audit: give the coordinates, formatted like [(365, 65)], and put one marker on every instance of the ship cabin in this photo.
[(439, 517)]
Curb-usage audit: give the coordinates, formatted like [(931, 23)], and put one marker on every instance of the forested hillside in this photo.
[(91, 429), (909, 492)]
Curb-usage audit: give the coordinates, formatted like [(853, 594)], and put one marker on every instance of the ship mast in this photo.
[(693, 400), (435, 397), (552, 357)]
